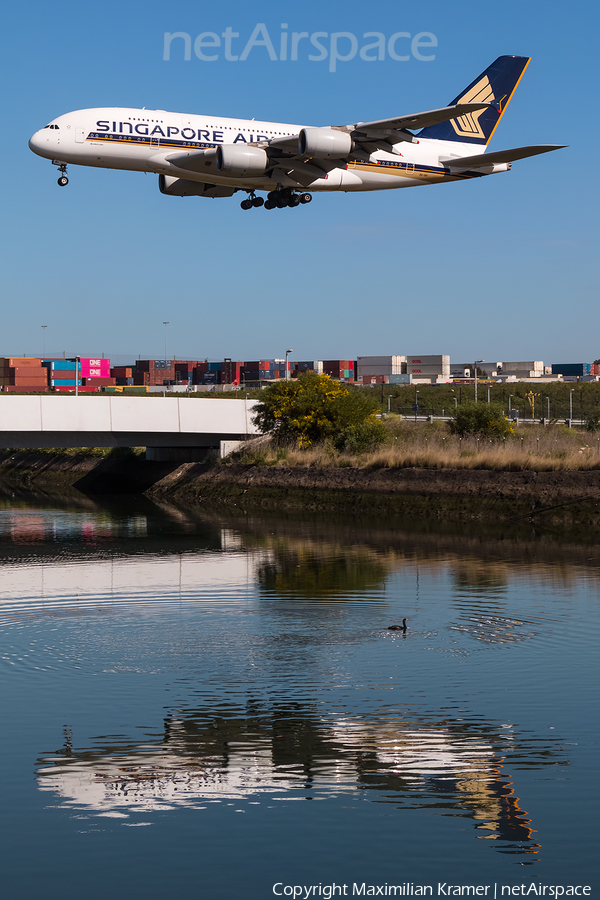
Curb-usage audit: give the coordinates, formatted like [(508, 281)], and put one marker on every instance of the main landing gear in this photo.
[(251, 201), (286, 197), (63, 180), (276, 199)]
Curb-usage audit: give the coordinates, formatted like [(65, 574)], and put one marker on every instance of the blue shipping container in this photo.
[(61, 364), (64, 382)]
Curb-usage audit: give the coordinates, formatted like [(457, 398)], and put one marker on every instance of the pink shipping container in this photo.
[(96, 372), (97, 363)]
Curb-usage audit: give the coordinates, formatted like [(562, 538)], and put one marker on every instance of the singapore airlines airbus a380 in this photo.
[(211, 156)]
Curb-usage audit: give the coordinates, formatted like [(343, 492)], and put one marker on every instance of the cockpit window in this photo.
[(50, 126)]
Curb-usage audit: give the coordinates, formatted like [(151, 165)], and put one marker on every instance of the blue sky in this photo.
[(499, 268)]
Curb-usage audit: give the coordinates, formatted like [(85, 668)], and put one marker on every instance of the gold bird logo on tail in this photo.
[(468, 125)]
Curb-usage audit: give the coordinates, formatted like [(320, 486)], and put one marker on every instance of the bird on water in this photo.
[(402, 627)]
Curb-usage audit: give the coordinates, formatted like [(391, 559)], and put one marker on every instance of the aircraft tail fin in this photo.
[(494, 86)]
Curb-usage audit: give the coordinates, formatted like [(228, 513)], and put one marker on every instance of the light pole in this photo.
[(77, 376), (287, 373), (44, 340), (571, 406), (477, 361), (548, 399), (416, 403), (165, 324)]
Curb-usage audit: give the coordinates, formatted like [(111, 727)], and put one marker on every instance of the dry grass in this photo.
[(551, 449)]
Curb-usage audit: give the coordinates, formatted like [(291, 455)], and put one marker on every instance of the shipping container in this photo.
[(25, 379), (96, 363), (122, 372), (62, 364), (95, 372), (417, 360), (522, 366), (99, 382), (124, 382), (571, 368), (145, 365), (70, 389), (399, 379), (24, 388), (64, 382), (380, 360), (36, 371), (427, 370), (61, 373), (7, 362)]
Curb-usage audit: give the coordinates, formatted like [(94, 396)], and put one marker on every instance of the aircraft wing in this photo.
[(361, 130), (368, 137), (500, 156)]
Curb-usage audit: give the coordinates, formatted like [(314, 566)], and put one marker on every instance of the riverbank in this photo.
[(450, 494), (558, 497)]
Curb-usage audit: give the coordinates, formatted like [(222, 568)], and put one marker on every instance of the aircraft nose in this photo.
[(35, 142)]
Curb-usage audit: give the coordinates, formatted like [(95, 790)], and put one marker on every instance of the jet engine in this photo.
[(180, 187), (238, 159), (324, 143)]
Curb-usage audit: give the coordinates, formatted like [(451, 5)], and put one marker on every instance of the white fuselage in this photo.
[(142, 140)]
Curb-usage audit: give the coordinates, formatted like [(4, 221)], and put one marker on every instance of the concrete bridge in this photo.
[(177, 429)]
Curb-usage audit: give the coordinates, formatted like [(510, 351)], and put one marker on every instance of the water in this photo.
[(216, 706)]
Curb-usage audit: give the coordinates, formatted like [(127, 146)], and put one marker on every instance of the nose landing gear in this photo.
[(63, 180)]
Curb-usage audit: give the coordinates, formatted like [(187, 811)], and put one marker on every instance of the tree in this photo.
[(314, 408), (481, 418)]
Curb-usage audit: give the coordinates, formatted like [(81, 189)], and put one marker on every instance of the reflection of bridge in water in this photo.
[(451, 767)]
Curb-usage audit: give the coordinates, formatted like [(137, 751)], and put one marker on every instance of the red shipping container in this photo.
[(122, 372), (36, 371), (27, 379), (25, 388), (62, 374), (71, 389), (9, 361), (99, 382)]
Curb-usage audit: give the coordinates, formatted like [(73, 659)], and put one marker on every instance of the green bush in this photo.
[(481, 418), (362, 438), (313, 408)]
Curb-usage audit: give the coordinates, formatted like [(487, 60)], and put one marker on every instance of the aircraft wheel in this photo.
[(258, 201), (246, 204), (273, 196), (294, 201), (305, 198), (269, 204), (63, 181), (281, 203)]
